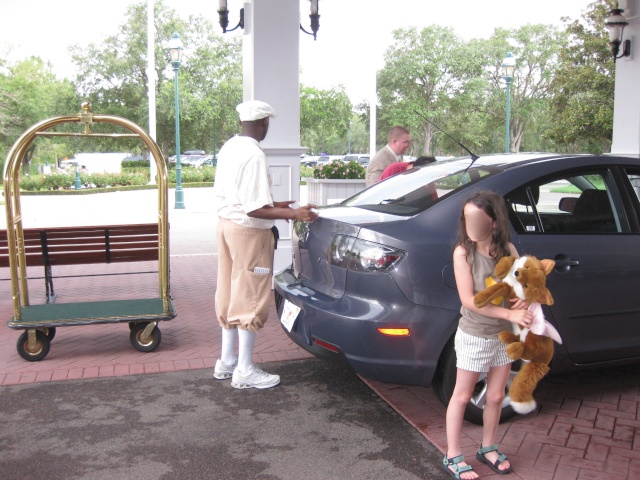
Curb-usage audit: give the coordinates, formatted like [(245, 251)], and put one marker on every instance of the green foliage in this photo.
[(561, 96), (30, 93), (128, 177), (306, 172), (340, 170), (583, 85), (458, 85), (113, 76), (325, 117), (194, 175), (135, 164)]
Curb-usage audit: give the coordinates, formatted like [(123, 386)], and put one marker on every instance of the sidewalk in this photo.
[(191, 340), (588, 426)]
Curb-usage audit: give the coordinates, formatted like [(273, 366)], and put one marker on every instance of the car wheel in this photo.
[(445, 381)]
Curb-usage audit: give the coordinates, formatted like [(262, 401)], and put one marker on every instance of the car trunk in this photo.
[(311, 242)]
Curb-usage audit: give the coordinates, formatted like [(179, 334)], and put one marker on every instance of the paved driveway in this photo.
[(320, 423)]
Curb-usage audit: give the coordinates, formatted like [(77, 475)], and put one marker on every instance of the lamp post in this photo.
[(508, 66), (77, 184), (175, 50)]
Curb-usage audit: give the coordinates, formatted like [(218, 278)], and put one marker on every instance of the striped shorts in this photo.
[(477, 354)]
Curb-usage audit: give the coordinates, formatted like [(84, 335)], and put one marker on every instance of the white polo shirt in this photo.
[(242, 182)]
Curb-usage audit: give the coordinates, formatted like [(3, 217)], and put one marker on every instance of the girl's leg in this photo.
[(465, 383), (496, 384)]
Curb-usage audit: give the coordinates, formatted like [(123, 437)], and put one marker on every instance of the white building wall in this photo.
[(626, 113), (271, 62)]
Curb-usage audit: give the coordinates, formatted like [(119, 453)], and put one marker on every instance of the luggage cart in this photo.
[(40, 321)]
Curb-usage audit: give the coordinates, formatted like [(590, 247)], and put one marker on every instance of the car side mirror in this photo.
[(567, 204)]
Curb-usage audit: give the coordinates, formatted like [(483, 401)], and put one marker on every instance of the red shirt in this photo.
[(393, 169)]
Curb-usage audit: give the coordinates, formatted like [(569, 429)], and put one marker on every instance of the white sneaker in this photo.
[(254, 378), (222, 371)]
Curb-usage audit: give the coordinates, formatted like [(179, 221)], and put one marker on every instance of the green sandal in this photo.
[(493, 466), (453, 462)]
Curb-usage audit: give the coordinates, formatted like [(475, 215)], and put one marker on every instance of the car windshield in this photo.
[(415, 190)]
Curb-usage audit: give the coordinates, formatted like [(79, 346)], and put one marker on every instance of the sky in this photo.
[(351, 41)]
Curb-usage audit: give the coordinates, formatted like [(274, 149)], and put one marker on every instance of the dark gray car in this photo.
[(373, 276)]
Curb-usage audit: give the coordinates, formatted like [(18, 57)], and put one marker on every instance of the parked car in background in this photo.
[(361, 158), (188, 157), (373, 276), (200, 160), (210, 160), (309, 160)]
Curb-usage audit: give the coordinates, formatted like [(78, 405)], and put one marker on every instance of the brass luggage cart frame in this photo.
[(40, 321)]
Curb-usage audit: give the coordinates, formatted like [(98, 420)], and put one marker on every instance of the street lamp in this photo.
[(508, 66), (175, 50), (77, 183)]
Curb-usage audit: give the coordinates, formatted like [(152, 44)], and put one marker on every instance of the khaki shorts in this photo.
[(477, 354), (245, 272)]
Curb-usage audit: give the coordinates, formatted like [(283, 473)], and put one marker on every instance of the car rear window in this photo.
[(415, 190)]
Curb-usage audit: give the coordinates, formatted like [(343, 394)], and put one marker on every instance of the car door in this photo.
[(579, 220)]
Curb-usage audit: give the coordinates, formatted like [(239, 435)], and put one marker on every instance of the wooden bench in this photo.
[(48, 247)]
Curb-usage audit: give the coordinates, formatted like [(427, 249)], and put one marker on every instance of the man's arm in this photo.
[(281, 212)]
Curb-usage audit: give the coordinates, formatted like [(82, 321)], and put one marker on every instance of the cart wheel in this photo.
[(50, 332), (37, 352), (133, 324), (144, 345)]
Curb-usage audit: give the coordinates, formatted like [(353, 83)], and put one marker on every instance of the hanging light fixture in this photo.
[(223, 14), (315, 20), (615, 23)]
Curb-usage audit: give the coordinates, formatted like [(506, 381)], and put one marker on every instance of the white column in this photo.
[(271, 74), (626, 110)]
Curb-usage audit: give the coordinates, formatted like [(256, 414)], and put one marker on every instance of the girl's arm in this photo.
[(464, 281)]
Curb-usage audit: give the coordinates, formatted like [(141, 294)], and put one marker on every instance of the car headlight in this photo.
[(363, 256)]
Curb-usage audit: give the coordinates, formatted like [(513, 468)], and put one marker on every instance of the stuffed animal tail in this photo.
[(523, 385)]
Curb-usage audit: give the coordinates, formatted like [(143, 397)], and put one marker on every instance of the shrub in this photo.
[(340, 170), (57, 181), (135, 164), (306, 172), (30, 184)]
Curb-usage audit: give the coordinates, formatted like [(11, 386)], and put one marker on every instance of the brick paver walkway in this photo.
[(587, 428), (191, 340)]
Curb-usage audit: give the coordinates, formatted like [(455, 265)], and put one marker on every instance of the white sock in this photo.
[(246, 340), (227, 354)]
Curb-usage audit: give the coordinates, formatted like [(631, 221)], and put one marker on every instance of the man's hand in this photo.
[(308, 213)]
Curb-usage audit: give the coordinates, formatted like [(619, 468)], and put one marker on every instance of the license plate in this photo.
[(289, 314)]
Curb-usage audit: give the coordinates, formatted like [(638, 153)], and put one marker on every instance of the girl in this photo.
[(483, 240)]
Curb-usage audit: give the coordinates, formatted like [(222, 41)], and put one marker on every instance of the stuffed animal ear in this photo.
[(503, 266), (547, 265), (539, 294)]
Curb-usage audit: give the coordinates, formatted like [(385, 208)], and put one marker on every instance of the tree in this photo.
[(113, 75), (325, 117), (583, 87), (30, 93), (536, 50), (426, 73)]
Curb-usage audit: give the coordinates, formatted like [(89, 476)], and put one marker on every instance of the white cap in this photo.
[(254, 110)]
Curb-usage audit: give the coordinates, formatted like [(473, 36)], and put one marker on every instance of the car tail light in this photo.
[(395, 332), (363, 256)]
